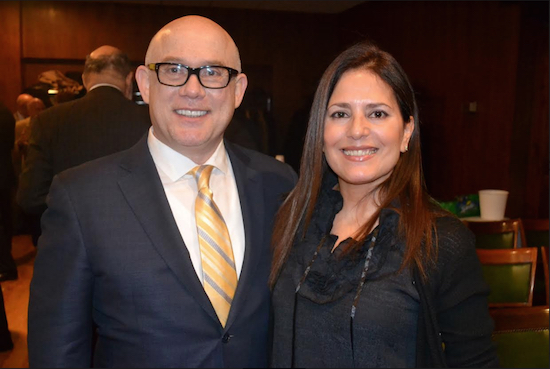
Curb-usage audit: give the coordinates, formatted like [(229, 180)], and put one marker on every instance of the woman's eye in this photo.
[(378, 114), (338, 114)]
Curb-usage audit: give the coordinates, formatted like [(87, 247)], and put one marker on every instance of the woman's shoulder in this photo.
[(449, 226), (453, 237)]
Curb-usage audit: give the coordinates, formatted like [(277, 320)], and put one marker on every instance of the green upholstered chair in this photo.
[(502, 234), (544, 256), (536, 232), (521, 336), (510, 274), (536, 235)]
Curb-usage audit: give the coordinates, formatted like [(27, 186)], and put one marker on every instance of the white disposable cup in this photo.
[(492, 204)]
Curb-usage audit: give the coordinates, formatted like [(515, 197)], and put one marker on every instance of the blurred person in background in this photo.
[(24, 223), (6, 342), (102, 122), (21, 106), (22, 133), (8, 268)]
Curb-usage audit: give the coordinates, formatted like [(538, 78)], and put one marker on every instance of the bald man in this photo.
[(22, 132), (21, 106), (63, 136), (120, 249)]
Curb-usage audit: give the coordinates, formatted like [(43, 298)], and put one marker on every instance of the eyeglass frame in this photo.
[(193, 71)]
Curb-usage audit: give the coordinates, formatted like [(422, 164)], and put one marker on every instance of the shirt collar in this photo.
[(104, 84), (19, 116), (176, 165)]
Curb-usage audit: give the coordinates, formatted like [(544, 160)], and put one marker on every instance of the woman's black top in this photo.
[(398, 321)]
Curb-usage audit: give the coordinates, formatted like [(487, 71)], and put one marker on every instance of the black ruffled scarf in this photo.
[(332, 275)]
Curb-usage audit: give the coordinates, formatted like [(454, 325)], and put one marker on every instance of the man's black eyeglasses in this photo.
[(209, 76)]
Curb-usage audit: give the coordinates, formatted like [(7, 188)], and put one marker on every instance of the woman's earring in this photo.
[(406, 147)]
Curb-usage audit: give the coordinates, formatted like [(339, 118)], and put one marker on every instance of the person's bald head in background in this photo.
[(191, 118), (21, 105), (108, 64)]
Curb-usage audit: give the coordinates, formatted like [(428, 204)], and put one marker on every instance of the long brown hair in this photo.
[(406, 183)]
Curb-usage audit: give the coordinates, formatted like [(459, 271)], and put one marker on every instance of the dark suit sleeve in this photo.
[(7, 129), (37, 173), (7, 138), (60, 304)]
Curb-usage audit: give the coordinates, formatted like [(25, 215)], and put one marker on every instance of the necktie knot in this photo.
[(202, 176)]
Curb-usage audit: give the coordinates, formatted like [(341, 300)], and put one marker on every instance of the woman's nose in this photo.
[(359, 127)]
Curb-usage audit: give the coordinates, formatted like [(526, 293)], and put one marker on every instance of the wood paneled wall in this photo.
[(10, 54), (492, 53)]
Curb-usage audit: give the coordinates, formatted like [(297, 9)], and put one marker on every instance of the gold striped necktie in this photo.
[(218, 265)]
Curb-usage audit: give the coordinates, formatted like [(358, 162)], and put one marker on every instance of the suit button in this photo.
[(226, 337)]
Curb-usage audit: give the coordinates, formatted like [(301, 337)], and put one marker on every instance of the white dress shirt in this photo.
[(181, 191), (104, 84)]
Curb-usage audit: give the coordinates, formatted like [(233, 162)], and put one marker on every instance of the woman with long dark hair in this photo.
[(368, 270)]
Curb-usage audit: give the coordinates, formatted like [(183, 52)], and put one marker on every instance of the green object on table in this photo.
[(449, 206), (467, 205), (462, 206)]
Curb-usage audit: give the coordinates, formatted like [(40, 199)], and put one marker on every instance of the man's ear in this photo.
[(142, 79), (241, 82), (85, 81)]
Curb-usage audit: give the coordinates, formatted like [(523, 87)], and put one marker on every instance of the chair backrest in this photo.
[(521, 336), (544, 256), (536, 232), (502, 234), (510, 274), (536, 235)]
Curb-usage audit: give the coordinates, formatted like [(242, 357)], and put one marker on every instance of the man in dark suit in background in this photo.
[(121, 250), (8, 269), (102, 122), (6, 343)]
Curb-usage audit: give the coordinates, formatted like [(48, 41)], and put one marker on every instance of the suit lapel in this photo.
[(145, 194), (250, 188)]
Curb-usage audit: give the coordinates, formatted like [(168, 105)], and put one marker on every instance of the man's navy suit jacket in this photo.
[(111, 256)]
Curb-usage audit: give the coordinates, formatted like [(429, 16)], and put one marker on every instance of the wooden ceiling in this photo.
[(309, 6)]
